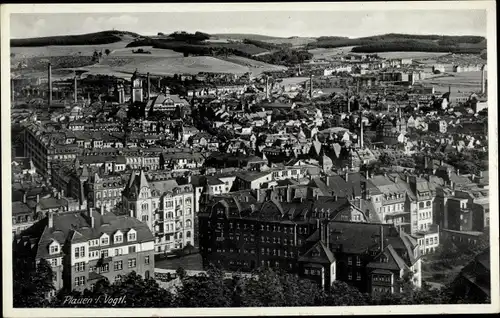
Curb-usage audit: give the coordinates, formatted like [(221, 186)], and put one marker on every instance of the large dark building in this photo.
[(307, 238)]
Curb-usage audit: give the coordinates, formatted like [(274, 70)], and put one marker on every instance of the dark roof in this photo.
[(75, 227), (20, 208)]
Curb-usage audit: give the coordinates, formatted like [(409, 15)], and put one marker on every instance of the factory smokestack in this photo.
[(149, 86), (267, 88), (12, 91), (311, 86), (361, 129), (49, 71), (483, 79), (76, 90)]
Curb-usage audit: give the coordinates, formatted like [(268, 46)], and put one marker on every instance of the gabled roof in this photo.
[(394, 260), (318, 253)]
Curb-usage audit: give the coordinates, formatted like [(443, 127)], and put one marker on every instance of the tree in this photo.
[(135, 291), (264, 291), (31, 283), (107, 51), (204, 290), (343, 294), (299, 292)]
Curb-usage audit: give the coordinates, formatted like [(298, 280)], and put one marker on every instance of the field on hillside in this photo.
[(410, 55), (21, 53), (463, 82), (323, 53), (295, 41), (122, 61), (255, 66)]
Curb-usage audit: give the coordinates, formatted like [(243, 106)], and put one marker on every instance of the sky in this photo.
[(272, 23)]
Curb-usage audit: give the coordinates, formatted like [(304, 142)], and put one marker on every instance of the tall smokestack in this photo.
[(311, 86), (361, 133), (348, 103), (483, 79), (12, 91), (382, 238), (149, 86), (267, 88), (76, 89), (49, 70)]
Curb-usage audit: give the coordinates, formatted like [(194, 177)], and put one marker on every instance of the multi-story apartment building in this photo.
[(165, 206), (390, 201), (86, 246), (297, 238), (44, 146), (104, 191), (422, 205)]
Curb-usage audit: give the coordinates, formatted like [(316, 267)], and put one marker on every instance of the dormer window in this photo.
[(132, 235), (118, 238), (105, 239), (54, 248)]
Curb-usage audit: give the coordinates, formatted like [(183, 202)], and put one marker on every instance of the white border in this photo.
[(200, 7)]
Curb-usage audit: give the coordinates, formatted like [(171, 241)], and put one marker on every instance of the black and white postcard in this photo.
[(249, 159)]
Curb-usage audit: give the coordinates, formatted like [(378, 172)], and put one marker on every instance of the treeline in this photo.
[(210, 49), (405, 42), (412, 46), (266, 288), (267, 45), (104, 37), (189, 37), (285, 57)]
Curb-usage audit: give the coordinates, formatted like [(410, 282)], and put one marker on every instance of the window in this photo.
[(146, 260), (132, 262), (53, 262), (358, 261), (131, 249), (349, 260), (358, 276), (54, 249), (118, 251), (145, 218), (118, 238), (80, 281), (118, 265), (132, 236), (105, 240), (104, 253), (80, 267), (349, 276)]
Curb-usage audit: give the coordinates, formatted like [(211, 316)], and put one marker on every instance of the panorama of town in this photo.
[(318, 177)]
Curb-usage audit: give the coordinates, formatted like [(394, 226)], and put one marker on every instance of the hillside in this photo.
[(104, 37), (405, 42)]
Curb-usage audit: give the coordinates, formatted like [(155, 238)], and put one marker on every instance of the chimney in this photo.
[(49, 71), (258, 195), (37, 198), (327, 179), (76, 89), (346, 175), (149, 85), (50, 216), (382, 238), (25, 196)]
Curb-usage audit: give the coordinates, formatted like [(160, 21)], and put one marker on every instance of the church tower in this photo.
[(137, 95)]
